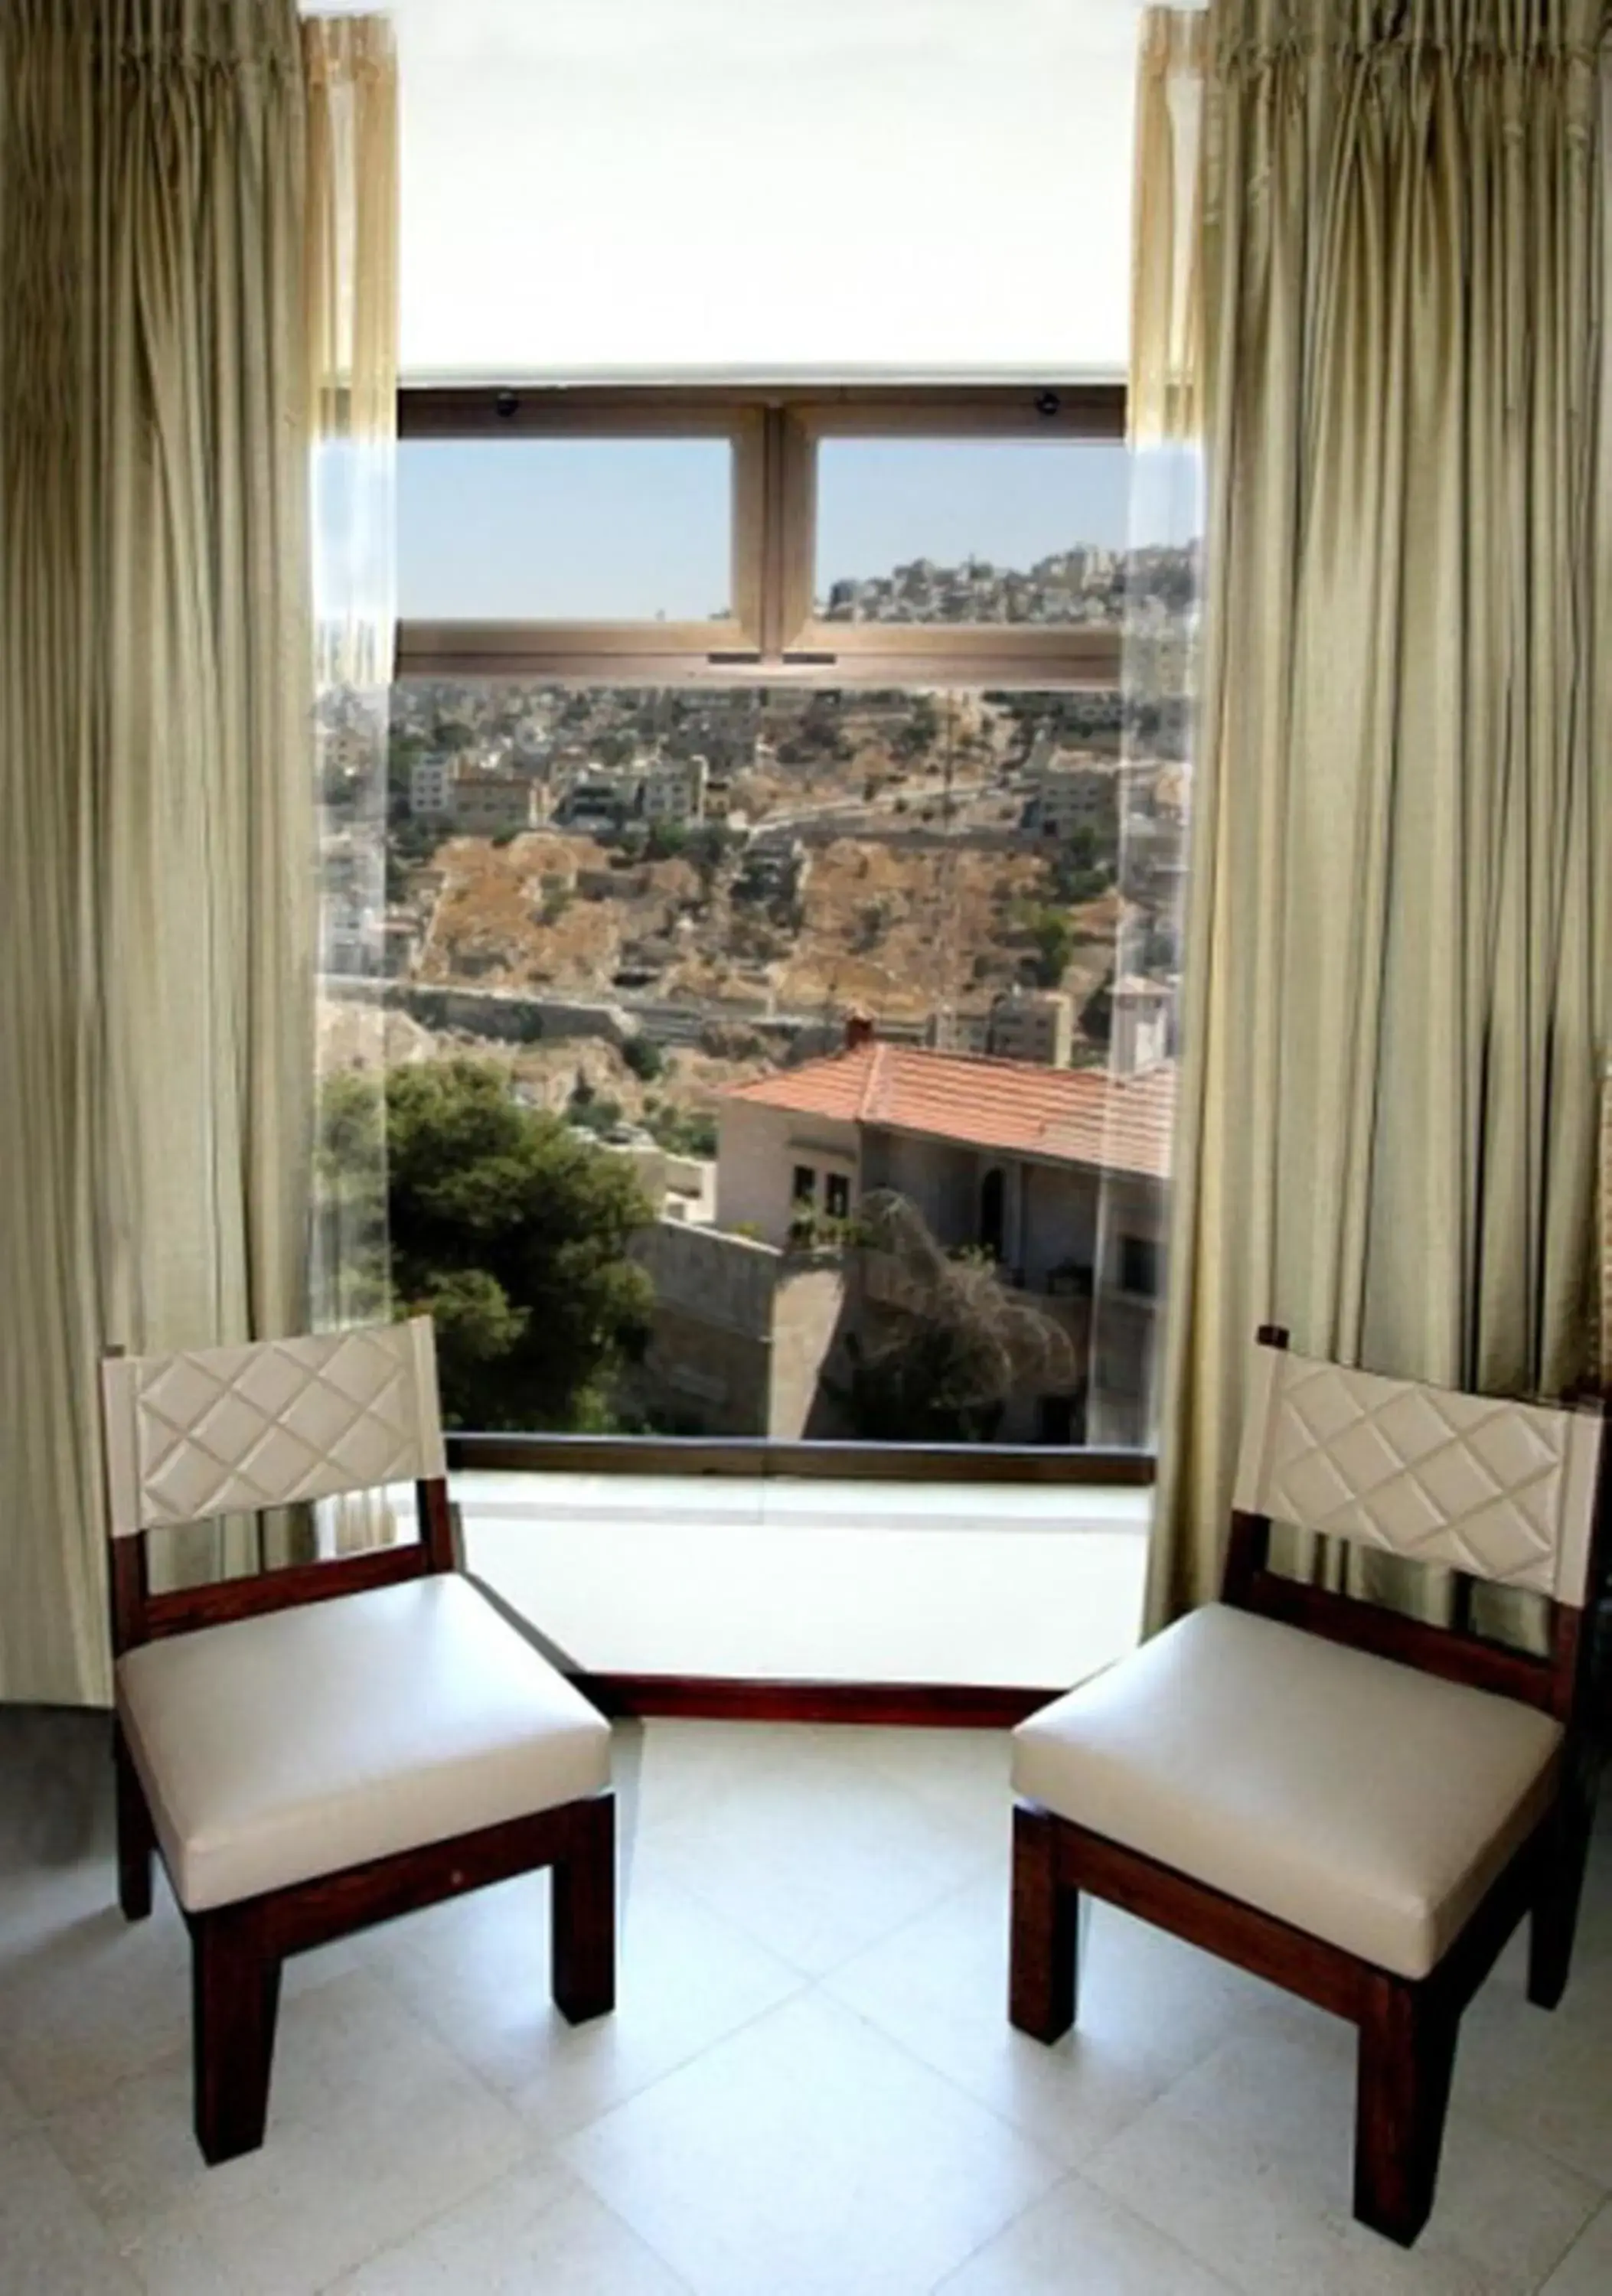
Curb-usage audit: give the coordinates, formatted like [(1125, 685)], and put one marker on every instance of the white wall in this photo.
[(758, 1148), (760, 185)]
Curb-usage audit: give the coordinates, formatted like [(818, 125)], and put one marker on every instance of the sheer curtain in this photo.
[(350, 65), (1159, 679), (1396, 972)]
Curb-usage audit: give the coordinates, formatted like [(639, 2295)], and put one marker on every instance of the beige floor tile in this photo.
[(93, 2001), (1079, 2239), (1586, 2269), (1546, 2075), (809, 2156), (962, 1775), (478, 1973), (374, 2128), (1246, 2163), (669, 1770), (1150, 2008), (533, 2232), (51, 2241), (816, 1855)]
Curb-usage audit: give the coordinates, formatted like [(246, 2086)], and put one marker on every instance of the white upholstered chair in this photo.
[(1354, 1804), (318, 1748)]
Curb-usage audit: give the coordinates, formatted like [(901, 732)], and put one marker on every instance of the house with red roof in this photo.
[(1059, 1175)]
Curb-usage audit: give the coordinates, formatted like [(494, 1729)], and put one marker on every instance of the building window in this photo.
[(1142, 1267), (836, 1196), (804, 1187), (992, 1212)]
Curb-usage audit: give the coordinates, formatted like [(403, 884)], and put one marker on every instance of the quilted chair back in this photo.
[(223, 1431), (1504, 1491)]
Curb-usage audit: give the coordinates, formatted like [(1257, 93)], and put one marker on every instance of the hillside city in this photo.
[(654, 907)]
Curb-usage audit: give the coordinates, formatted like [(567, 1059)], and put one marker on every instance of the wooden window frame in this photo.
[(773, 636)]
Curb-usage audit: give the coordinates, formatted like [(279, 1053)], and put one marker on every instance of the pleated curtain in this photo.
[(1396, 968), (156, 686)]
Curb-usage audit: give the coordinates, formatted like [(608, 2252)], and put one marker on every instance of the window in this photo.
[(568, 529), (707, 913), (1141, 1266), (865, 533)]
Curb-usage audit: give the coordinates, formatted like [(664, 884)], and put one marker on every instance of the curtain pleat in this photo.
[(1395, 984), (156, 1048)]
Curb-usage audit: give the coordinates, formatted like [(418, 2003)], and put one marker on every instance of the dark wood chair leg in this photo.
[(1554, 1921), (235, 1985), (1043, 1951), (136, 1838), (583, 1923), (1407, 2055)]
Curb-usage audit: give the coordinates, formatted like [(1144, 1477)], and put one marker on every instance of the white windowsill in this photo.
[(776, 1579)]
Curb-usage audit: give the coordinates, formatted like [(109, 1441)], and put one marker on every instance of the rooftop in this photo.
[(1076, 1116)]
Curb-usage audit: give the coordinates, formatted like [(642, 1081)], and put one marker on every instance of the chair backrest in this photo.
[(222, 1431), (1501, 1491)]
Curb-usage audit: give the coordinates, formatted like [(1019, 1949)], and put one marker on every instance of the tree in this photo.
[(1097, 1013), (506, 1229), (667, 840), (950, 1346), (644, 1058), (1054, 939)]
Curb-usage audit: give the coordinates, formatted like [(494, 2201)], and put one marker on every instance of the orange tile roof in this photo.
[(1076, 1116)]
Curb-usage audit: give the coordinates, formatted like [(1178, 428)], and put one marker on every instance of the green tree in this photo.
[(666, 841), (1053, 938), (509, 1231), (644, 1058)]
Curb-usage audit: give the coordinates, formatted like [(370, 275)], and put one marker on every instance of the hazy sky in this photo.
[(624, 529)]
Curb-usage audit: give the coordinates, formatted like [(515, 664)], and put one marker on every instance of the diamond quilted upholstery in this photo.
[(226, 1429), (1503, 1490)]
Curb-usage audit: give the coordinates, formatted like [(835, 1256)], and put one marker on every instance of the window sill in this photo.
[(753, 1579)]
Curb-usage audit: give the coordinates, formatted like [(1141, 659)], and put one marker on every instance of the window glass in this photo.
[(1021, 530), (573, 530), (666, 966)]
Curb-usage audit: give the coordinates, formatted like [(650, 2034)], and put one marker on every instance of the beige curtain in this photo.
[(350, 66), (156, 944), (1396, 974)]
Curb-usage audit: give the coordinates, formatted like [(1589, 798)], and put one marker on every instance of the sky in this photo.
[(617, 529)]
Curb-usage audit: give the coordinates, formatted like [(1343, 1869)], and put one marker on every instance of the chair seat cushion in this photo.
[(1366, 1803), (280, 1748)]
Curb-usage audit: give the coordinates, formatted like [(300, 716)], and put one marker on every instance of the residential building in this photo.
[(484, 804), (674, 789), (1057, 1174), (431, 788), (1036, 1026), (1069, 794), (1142, 1013)]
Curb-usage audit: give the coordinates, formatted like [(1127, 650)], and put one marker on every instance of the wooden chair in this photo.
[(1358, 1807), (323, 1747)]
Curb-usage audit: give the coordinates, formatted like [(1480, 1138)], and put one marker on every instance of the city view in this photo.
[(774, 1062)]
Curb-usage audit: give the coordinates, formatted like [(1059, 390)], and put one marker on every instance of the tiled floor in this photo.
[(809, 2086)]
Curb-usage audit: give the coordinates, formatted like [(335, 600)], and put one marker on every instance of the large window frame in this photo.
[(773, 632), (773, 637)]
